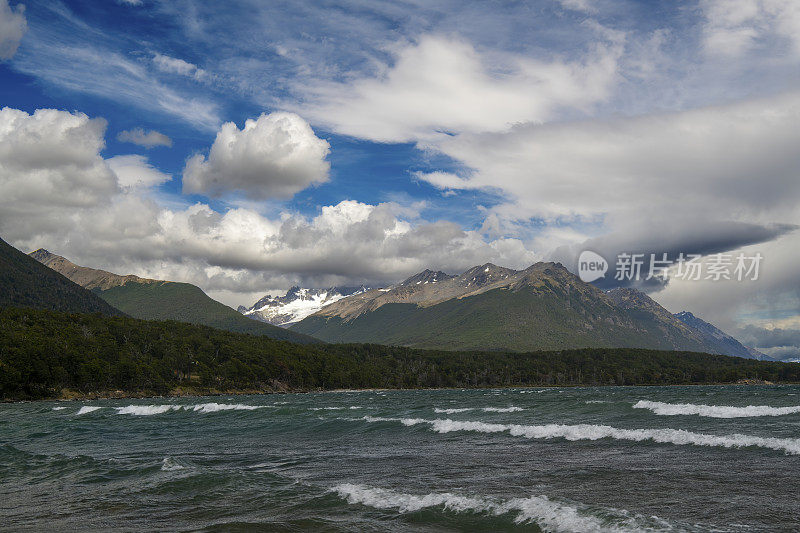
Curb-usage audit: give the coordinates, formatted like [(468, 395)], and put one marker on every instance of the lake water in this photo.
[(717, 458)]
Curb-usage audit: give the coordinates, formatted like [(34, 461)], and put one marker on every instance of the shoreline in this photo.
[(74, 396)]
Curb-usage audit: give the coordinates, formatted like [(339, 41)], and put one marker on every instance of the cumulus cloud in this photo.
[(273, 156), (444, 85), (12, 27), (148, 139), (174, 65), (135, 171), (51, 158)]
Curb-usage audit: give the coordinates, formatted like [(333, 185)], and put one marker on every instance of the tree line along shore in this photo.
[(47, 354)]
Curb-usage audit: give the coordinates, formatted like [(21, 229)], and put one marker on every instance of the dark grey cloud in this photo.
[(674, 238)]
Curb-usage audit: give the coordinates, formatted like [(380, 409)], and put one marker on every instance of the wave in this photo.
[(454, 410), (170, 464), (216, 407), (61, 408), (577, 432), (88, 409), (146, 410), (149, 410), (714, 411), (549, 515), (352, 407)]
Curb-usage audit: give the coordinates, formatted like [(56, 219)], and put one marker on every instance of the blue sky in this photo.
[(389, 137)]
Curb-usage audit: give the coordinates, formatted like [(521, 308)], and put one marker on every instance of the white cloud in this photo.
[(442, 180), (148, 139), (57, 192), (135, 171), (445, 85), (739, 160), (585, 6), (735, 27), (12, 27), (174, 65), (274, 156), (51, 158), (84, 69)]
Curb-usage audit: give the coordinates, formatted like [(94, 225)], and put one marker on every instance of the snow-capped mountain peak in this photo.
[(296, 304)]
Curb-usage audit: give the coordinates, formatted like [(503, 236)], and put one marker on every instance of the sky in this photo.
[(249, 146)]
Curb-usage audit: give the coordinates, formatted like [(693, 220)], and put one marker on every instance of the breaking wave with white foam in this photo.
[(149, 410), (86, 409), (512, 409), (170, 464), (715, 411), (547, 514), (596, 432)]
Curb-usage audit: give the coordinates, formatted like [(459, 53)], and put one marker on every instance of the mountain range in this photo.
[(151, 299), (488, 307), (543, 307)]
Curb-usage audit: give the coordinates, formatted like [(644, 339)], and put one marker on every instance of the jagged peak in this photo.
[(42, 255), (426, 276)]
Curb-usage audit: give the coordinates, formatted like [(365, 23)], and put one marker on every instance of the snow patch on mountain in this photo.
[(297, 304)]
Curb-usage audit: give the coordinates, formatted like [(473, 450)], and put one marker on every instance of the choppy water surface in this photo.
[(592, 459)]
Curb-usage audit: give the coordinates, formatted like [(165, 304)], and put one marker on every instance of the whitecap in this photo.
[(146, 410), (547, 514), (88, 409), (454, 410), (404, 421), (149, 410), (597, 432), (59, 408), (714, 411), (170, 465), (216, 407)]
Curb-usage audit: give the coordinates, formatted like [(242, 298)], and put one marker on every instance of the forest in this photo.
[(45, 353)]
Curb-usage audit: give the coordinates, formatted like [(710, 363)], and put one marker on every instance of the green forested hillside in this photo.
[(166, 300), (162, 300), (44, 352), (24, 282)]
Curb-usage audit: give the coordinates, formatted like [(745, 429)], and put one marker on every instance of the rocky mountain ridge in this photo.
[(544, 306)]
